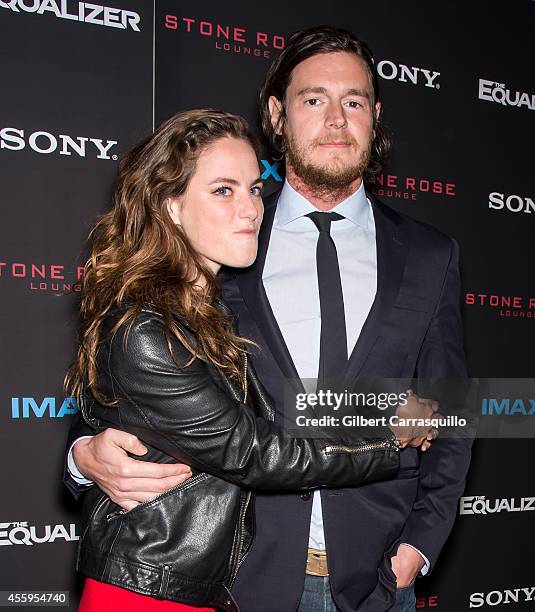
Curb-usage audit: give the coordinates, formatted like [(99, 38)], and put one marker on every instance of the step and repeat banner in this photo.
[(76, 93), (81, 83)]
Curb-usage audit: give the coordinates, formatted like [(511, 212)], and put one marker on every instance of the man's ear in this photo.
[(377, 115), (173, 207), (276, 114), (377, 110)]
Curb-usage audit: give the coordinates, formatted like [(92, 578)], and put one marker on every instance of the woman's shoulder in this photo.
[(126, 315), (145, 321)]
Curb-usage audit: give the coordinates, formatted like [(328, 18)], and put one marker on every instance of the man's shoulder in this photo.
[(417, 232)]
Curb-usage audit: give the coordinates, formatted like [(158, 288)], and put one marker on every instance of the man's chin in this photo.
[(332, 174)]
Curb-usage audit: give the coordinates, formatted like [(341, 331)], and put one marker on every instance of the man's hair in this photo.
[(140, 256), (301, 46)]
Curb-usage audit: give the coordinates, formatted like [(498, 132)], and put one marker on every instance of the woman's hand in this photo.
[(414, 435)]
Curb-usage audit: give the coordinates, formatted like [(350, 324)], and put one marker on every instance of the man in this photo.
[(396, 288)]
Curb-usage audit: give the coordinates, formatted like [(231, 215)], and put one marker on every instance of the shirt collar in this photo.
[(292, 205)]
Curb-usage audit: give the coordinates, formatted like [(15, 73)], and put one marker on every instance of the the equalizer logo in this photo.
[(28, 535), (83, 12)]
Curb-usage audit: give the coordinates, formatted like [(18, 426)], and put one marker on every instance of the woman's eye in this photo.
[(223, 190)]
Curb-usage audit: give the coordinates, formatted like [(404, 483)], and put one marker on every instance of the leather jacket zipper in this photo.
[(243, 513), (240, 539), (363, 448), (245, 363), (188, 482)]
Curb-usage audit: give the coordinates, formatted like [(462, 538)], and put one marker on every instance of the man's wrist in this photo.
[(425, 561), (72, 468)]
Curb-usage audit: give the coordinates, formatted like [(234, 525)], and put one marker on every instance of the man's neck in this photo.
[(322, 199)]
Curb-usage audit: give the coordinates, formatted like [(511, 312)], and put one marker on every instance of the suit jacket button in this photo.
[(306, 496)]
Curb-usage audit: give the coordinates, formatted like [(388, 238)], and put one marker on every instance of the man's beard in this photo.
[(329, 177)]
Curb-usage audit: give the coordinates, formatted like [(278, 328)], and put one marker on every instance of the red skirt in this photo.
[(102, 597)]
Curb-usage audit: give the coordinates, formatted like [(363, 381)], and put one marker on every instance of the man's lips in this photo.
[(248, 231), (335, 144)]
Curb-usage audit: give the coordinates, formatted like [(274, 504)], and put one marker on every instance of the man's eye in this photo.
[(223, 190), (312, 101), (354, 104), (257, 190)]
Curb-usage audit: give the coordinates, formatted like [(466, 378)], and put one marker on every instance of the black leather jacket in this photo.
[(186, 545)]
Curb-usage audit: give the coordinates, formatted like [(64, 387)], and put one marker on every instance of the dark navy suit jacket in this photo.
[(414, 329)]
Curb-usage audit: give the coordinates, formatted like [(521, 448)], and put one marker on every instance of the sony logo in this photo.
[(407, 74), (496, 598), (513, 203), (45, 143)]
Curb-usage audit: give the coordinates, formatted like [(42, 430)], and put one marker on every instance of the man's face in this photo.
[(328, 128)]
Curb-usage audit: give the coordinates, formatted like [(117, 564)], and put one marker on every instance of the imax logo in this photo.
[(28, 407), (408, 74), (45, 143), (507, 407), (271, 169)]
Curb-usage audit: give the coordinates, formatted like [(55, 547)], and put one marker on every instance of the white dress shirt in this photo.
[(291, 284)]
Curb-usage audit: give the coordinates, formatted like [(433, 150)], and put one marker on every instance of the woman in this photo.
[(158, 358)]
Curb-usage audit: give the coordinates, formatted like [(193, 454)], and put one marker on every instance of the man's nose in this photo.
[(336, 117)]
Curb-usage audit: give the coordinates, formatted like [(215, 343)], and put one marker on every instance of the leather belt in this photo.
[(317, 563)]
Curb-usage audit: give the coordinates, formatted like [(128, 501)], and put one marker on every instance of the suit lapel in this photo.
[(255, 297), (392, 249)]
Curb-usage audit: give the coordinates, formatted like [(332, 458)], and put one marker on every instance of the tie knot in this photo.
[(322, 220)]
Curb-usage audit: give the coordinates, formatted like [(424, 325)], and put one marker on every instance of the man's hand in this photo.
[(128, 482), (406, 565)]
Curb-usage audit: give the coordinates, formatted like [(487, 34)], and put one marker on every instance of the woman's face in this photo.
[(222, 209)]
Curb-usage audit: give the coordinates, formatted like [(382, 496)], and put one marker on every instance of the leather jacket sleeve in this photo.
[(183, 412)]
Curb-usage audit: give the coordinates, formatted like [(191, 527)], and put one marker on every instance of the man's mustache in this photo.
[(345, 141)]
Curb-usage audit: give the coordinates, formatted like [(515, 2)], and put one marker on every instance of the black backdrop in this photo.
[(457, 82)]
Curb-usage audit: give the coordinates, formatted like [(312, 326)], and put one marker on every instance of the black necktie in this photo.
[(333, 339)]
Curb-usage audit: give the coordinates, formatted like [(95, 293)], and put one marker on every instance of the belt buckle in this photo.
[(317, 563)]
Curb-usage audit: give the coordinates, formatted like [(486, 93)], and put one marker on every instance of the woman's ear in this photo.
[(173, 208)]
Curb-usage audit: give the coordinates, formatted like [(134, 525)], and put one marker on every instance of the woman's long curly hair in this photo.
[(141, 257)]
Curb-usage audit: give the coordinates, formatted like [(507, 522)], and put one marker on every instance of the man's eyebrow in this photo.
[(309, 90), (363, 93), (353, 91)]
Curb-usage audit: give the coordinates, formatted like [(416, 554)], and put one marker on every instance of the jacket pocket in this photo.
[(188, 484)]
